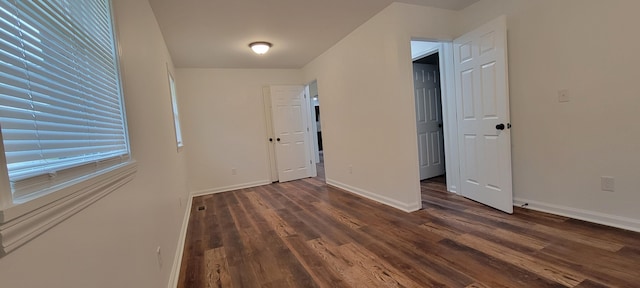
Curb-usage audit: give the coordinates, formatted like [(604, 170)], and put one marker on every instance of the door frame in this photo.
[(312, 121), (449, 110)]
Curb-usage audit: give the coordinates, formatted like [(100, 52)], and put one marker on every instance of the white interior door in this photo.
[(426, 83), (483, 115), (289, 111)]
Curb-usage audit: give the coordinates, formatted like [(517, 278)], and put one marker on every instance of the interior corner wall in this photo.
[(368, 110), (225, 126), (560, 150), (112, 243)]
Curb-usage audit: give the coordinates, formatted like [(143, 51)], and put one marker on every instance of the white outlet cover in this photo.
[(607, 183), (563, 96)]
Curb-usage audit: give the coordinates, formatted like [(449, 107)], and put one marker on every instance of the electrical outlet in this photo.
[(234, 171), (607, 183), (563, 96)]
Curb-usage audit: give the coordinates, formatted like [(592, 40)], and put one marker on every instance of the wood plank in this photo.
[(323, 275), (242, 274), (320, 221), (443, 231), (625, 237), (548, 270), (192, 268), (491, 271), (602, 266), (354, 276), (216, 268), (277, 224), (591, 284), (339, 215), (438, 270), (579, 238), (477, 285), (387, 275)]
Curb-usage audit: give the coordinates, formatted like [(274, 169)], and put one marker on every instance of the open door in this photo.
[(289, 112), (482, 96), (426, 82)]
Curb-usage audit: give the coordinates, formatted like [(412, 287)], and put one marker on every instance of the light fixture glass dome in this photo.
[(260, 47)]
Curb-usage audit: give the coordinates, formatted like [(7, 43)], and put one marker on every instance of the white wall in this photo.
[(560, 150), (112, 243), (368, 112), (420, 48), (224, 125)]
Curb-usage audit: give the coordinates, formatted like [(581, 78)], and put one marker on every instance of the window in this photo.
[(62, 118), (174, 104)]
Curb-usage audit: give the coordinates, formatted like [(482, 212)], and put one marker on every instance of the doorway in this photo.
[(316, 128), (475, 113), (429, 113), (289, 137), (429, 122)]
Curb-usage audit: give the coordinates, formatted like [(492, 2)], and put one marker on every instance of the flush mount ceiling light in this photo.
[(260, 47)]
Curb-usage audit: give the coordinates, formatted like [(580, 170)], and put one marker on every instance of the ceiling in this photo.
[(216, 33)]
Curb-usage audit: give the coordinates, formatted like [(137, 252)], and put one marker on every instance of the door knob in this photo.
[(439, 125), (278, 139), (500, 126), (270, 139)]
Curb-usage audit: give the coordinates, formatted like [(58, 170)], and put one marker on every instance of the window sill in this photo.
[(23, 222)]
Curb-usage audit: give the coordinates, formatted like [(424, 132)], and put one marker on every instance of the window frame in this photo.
[(175, 109), (20, 222)]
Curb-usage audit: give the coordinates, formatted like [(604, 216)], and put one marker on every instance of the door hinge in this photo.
[(307, 129), (310, 162)]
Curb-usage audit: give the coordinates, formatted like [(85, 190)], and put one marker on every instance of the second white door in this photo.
[(290, 131), (426, 83)]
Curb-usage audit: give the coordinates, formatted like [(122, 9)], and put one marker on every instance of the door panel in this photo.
[(469, 109), (289, 118), (429, 120), (489, 101), (483, 102), (436, 153), (470, 154)]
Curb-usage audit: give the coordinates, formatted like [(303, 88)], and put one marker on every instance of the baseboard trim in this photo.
[(581, 214), (177, 260), (230, 188), (406, 207)]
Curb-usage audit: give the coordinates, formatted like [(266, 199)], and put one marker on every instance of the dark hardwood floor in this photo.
[(306, 234)]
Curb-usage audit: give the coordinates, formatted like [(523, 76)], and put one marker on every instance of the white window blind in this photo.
[(61, 110)]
